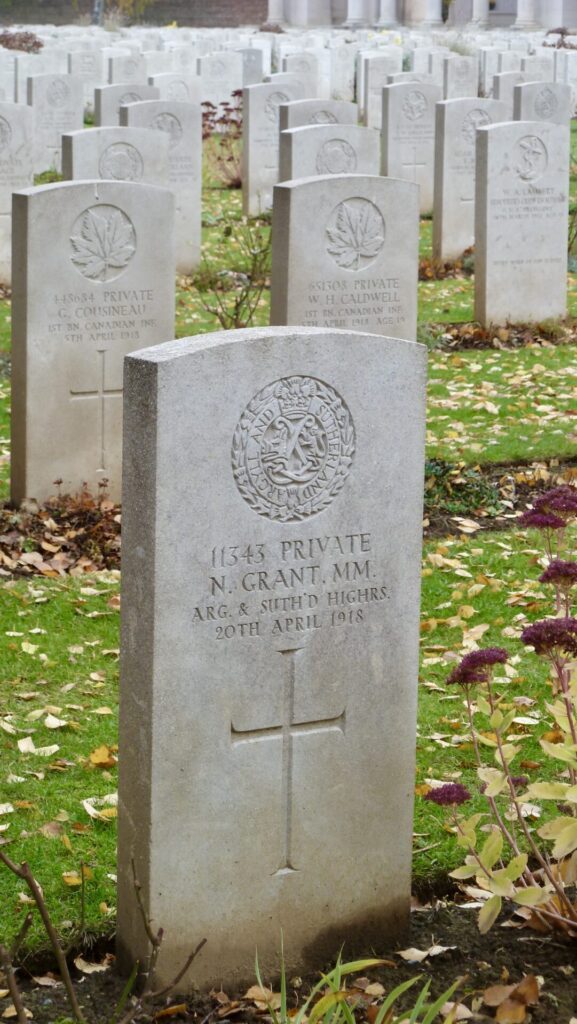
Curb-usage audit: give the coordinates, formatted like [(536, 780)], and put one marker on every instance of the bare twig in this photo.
[(23, 871), (8, 968), (21, 934)]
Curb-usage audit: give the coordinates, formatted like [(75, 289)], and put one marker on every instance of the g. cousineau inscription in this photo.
[(272, 508)]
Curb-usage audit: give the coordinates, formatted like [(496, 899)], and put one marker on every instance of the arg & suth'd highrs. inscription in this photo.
[(292, 453)]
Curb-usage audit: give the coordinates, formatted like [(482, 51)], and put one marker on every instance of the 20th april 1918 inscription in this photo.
[(295, 585)]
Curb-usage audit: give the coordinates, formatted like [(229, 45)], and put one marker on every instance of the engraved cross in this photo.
[(413, 165), (286, 732), (101, 394)]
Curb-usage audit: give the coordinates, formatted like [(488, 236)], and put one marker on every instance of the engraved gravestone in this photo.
[(260, 142), (345, 254), (57, 103), (180, 87), (454, 194), (504, 88), (16, 171), (275, 659), (181, 125), (93, 279), (123, 69), (115, 154), (328, 149), (88, 66), (460, 77), (543, 101), (304, 112), (377, 68), (522, 186), (109, 99), (408, 135)]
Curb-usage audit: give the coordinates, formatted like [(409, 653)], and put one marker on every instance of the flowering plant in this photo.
[(534, 870)]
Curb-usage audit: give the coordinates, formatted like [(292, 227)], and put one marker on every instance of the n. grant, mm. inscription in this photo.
[(290, 586), (293, 448), (103, 243)]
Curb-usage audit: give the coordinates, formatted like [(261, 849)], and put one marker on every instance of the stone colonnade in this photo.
[(412, 13)]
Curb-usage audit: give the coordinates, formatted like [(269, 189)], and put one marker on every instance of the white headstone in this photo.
[(329, 149), (93, 279), (16, 172), (115, 154), (345, 254), (270, 669), (408, 136), (260, 149), (454, 197), (521, 222), (543, 101), (181, 123), (57, 103), (109, 99)]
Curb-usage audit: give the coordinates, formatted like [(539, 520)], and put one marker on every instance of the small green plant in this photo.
[(455, 489), (331, 1002), (509, 862), (233, 296)]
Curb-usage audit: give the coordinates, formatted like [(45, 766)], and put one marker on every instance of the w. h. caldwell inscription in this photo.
[(271, 552)]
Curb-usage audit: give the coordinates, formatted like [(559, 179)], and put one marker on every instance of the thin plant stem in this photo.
[(8, 968)]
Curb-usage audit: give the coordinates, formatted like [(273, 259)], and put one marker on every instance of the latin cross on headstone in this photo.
[(101, 394), (286, 732), (413, 165)]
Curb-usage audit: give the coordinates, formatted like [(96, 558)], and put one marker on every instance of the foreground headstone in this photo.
[(329, 149), (408, 135), (16, 171), (345, 254), (93, 279), (454, 205), (277, 649), (181, 124), (521, 222)]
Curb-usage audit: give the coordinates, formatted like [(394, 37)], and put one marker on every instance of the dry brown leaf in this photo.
[(171, 1011), (10, 1013), (87, 968), (263, 997), (511, 1012), (102, 757)]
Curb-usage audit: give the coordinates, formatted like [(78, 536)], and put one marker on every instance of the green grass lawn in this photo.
[(59, 638)]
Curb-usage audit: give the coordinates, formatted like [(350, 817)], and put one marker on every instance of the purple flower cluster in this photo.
[(552, 510), (477, 666), (562, 574), (552, 636), (450, 794)]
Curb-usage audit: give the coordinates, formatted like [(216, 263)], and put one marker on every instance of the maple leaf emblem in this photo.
[(105, 244), (356, 233)]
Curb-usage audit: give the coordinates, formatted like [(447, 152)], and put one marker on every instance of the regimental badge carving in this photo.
[(546, 103), (178, 90), (293, 449), (5, 133), (336, 156), (356, 233), (57, 93), (415, 105), (170, 124), (103, 243), (323, 117), (218, 68), (530, 158), (130, 97), (121, 162), (273, 103), (475, 119)]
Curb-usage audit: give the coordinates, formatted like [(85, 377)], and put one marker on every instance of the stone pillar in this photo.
[(387, 14), (480, 13), (356, 14), (275, 15), (423, 13), (527, 19)]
